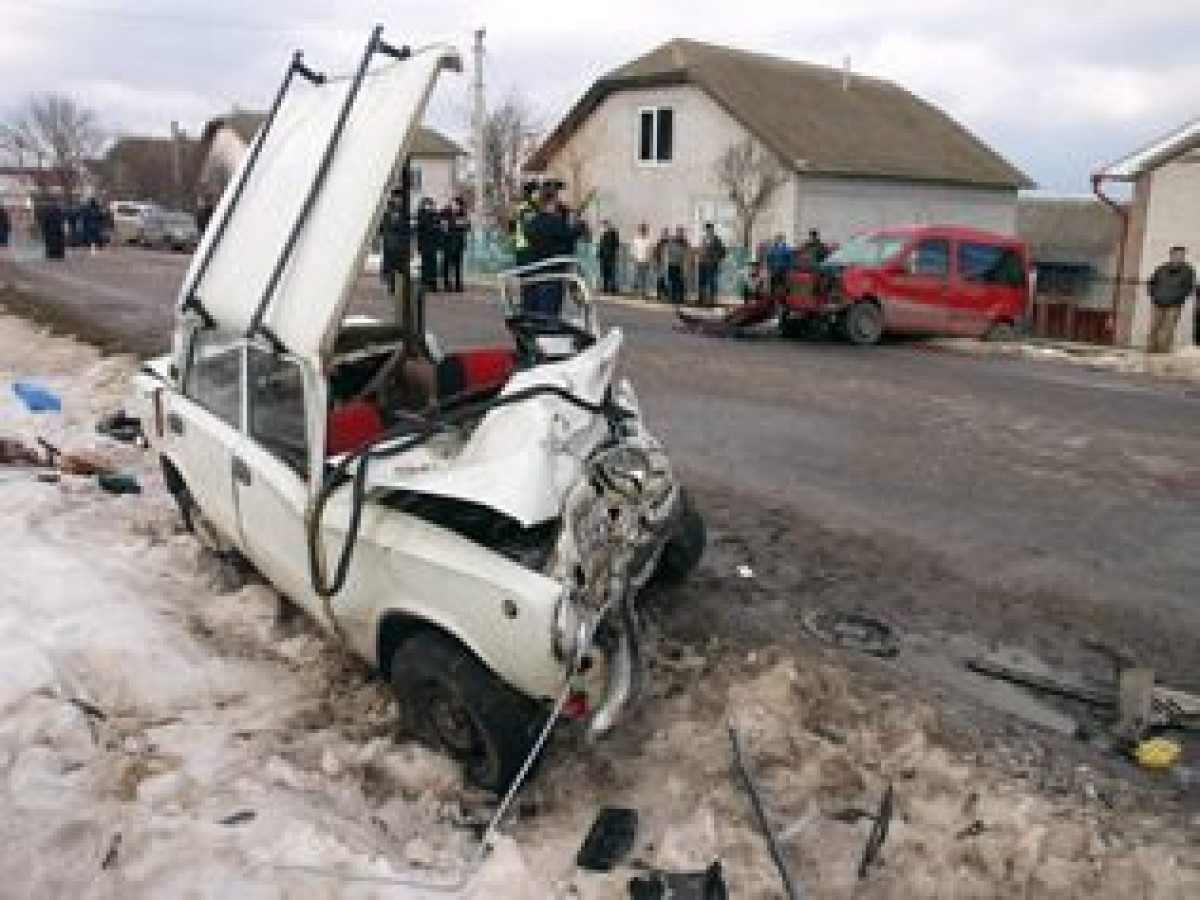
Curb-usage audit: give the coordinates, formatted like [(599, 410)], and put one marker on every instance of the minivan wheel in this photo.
[(1000, 332), (684, 548), (451, 701), (862, 324)]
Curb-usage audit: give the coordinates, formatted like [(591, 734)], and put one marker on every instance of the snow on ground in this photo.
[(1182, 364), (165, 730)]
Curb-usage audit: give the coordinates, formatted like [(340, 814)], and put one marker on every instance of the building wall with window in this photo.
[(839, 207), (605, 156)]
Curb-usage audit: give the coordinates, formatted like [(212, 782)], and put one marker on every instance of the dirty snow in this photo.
[(1182, 364), (168, 728)]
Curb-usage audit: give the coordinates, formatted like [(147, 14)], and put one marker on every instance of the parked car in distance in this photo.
[(129, 219), (170, 230), (920, 279)]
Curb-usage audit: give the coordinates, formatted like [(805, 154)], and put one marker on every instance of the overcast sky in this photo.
[(1057, 86)]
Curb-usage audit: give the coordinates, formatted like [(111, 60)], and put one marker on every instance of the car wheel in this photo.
[(451, 701), (862, 324), (1000, 332), (685, 546), (790, 327)]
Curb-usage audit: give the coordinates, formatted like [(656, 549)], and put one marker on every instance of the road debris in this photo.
[(238, 818), (609, 840), (852, 631), (1157, 753), (745, 572), (15, 453), (789, 881), (881, 821), (110, 857), (36, 397), (706, 885), (118, 483), (120, 426)]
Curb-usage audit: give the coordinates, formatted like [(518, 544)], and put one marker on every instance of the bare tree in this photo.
[(750, 175), (53, 134), (577, 159), (509, 131)]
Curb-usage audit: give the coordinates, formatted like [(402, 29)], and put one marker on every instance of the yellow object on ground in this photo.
[(1157, 753)]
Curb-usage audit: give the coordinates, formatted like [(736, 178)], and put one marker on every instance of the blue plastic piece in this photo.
[(37, 398)]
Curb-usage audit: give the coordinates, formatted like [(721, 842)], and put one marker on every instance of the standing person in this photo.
[(662, 291), (395, 240), (676, 254), (1169, 287), (455, 229), (779, 263), (712, 251), (54, 230), (5, 225), (93, 224), (813, 251), (204, 212), (607, 250), (642, 250), (429, 242)]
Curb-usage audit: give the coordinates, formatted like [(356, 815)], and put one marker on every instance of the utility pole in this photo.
[(477, 117), (177, 164)]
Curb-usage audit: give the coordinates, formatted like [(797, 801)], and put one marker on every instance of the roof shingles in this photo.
[(814, 117)]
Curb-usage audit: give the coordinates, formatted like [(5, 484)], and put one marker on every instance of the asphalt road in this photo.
[(1006, 500)]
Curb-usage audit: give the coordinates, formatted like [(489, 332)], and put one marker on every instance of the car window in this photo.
[(214, 377), (867, 250), (990, 264), (276, 415), (931, 258)]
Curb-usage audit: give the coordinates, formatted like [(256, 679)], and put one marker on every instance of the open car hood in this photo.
[(521, 459), (232, 268)]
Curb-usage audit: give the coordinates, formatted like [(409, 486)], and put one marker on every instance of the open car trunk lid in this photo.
[(229, 277)]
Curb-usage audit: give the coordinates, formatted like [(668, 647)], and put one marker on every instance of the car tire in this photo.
[(862, 324), (790, 327), (1000, 333), (451, 701), (685, 547)]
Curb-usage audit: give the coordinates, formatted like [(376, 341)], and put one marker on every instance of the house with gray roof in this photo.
[(858, 151), (434, 157)]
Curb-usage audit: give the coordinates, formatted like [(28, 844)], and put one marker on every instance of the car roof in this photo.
[(958, 232)]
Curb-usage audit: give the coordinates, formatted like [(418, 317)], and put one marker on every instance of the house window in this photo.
[(656, 134), (414, 178)]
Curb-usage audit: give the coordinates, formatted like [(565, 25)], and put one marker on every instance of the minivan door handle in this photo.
[(241, 471)]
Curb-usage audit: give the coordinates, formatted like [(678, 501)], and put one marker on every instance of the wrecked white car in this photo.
[(477, 524)]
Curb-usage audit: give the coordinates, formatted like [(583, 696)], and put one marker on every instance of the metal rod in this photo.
[(789, 883), (405, 261), (296, 65), (314, 189)]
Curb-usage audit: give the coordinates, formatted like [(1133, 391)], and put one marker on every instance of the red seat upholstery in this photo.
[(352, 425), (470, 371)]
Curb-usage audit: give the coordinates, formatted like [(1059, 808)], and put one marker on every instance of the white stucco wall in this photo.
[(437, 178), (1172, 218), (224, 154), (841, 206), (603, 154)]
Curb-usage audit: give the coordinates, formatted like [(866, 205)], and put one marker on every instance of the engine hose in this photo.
[(327, 588)]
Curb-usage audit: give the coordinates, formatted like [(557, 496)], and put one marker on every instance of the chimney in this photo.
[(846, 72)]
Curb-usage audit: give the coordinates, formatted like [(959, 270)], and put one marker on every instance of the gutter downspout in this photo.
[(1122, 212)]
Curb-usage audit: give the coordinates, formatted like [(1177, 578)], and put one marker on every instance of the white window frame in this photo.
[(654, 161)]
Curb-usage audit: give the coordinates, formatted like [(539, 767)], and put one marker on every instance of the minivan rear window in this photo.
[(867, 250)]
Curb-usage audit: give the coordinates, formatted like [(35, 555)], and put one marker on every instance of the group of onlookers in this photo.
[(441, 241), (61, 225), (663, 263)]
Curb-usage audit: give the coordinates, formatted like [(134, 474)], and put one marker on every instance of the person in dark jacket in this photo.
[(1170, 286), (552, 231), (778, 258), (204, 212), (813, 251), (455, 226), (54, 230), (5, 225), (395, 242), (92, 222), (607, 250), (708, 266), (429, 242)]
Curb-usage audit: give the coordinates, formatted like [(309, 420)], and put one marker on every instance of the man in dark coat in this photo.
[(54, 230), (5, 225), (455, 226), (1170, 286), (92, 222), (429, 242), (708, 268), (813, 251), (552, 231), (204, 212), (607, 250), (395, 242)]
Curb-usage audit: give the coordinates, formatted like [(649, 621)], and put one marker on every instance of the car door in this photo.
[(271, 473), (203, 426), (918, 290), (991, 286)]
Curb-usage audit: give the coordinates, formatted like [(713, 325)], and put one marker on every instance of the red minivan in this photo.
[(927, 279)]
